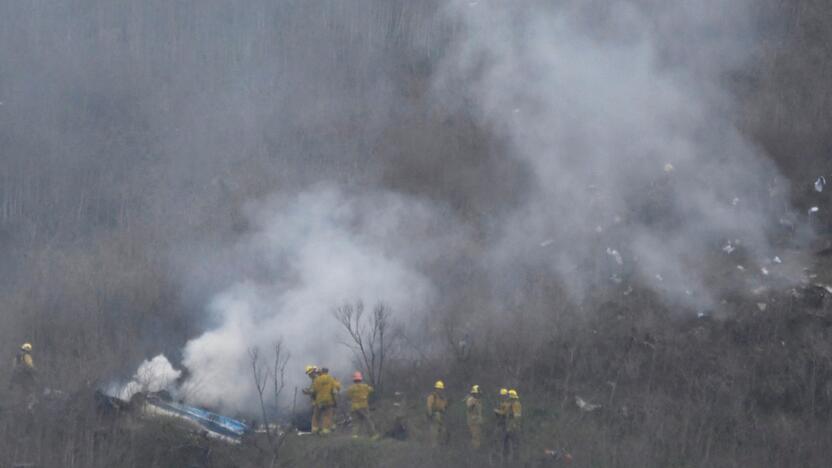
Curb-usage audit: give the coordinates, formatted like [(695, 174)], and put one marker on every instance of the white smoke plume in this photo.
[(620, 110), (153, 375), (307, 255)]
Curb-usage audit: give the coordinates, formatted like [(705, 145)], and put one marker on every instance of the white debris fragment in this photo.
[(762, 306), (547, 242), (700, 315), (814, 209), (616, 279), (729, 248), (740, 268), (759, 290), (777, 260), (820, 183), (688, 292), (668, 168), (659, 277), (614, 254), (585, 405), (824, 286), (735, 201), (628, 291), (764, 271)]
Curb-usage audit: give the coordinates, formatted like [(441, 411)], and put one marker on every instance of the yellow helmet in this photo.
[(475, 389), (26, 346), (513, 394), (310, 369), (439, 385), (503, 392)]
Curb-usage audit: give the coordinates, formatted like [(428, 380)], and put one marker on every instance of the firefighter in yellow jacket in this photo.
[(24, 378), (514, 414), (325, 387), (312, 372), (473, 413), (436, 406), (359, 396)]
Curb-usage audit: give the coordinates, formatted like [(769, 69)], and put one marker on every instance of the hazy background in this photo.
[(197, 178)]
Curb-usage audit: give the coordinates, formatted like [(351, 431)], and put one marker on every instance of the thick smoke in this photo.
[(306, 255), (620, 111), (153, 375)]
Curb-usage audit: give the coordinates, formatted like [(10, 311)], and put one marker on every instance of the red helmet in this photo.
[(357, 377)]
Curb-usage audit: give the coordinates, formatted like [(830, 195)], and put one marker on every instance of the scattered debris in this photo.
[(701, 315), (659, 277), (764, 271), (762, 306), (820, 183), (628, 291), (688, 292), (614, 254), (814, 209), (758, 290), (547, 242), (777, 260), (740, 268), (557, 455), (585, 405), (668, 168), (826, 287), (729, 248), (735, 201), (616, 279)]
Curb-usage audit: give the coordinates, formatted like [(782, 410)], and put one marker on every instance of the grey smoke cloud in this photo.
[(307, 254), (621, 111)]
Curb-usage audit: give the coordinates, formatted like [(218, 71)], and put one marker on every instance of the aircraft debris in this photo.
[(735, 201), (547, 242), (820, 183), (585, 405), (740, 268), (762, 306), (729, 248), (825, 287), (764, 271), (814, 209), (614, 254), (668, 168), (777, 260)]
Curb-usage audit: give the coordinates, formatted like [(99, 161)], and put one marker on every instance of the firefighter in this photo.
[(500, 413), (398, 430), (359, 395), (436, 406), (473, 407), (325, 387), (23, 375), (312, 372), (514, 414)]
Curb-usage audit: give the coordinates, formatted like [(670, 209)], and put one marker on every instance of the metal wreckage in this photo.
[(160, 405)]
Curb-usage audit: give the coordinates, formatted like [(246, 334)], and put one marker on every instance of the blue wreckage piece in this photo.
[(213, 423)]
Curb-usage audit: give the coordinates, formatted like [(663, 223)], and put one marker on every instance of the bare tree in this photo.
[(370, 337), (265, 376)]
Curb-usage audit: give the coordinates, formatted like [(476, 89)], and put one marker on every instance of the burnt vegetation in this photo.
[(133, 135)]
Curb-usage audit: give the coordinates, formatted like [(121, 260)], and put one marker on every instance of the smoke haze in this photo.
[(265, 164)]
